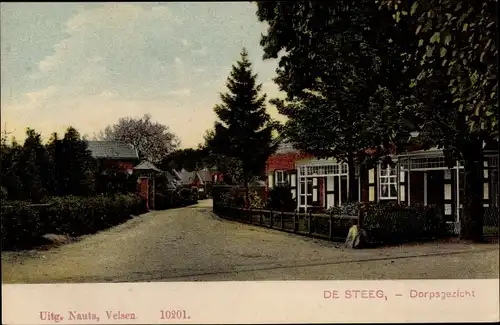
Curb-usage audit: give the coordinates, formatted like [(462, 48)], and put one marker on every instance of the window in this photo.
[(302, 199), (388, 183), (280, 178)]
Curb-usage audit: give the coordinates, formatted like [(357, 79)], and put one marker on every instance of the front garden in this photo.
[(384, 223)]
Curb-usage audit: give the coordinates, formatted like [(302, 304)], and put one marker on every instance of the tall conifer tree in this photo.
[(244, 130)]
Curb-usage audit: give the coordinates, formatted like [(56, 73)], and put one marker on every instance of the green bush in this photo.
[(349, 208), (395, 223), (23, 224), (280, 198)]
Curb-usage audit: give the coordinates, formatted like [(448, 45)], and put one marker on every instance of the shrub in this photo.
[(3, 194), (23, 224), (394, 223), (280, 198), (188, 196), (163, 201), (349, 208), (256, 201)]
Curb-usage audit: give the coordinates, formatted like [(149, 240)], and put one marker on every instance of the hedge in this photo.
[(396, 223), (23, 224)]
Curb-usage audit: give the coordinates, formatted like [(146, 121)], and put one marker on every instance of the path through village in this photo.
[(192, 243)]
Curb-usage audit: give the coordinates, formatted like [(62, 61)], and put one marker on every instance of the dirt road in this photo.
[(192, 244)]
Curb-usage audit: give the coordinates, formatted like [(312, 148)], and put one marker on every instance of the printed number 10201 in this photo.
[(174, 314)]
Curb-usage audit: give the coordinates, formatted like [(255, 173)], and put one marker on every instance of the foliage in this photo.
[(349, 208), (73, 166), (393, 223), (190, 196), (24, 224), (111, 179), (188, 159), (152, 139), (33, 170), (244, 130), (434, 72), (342, 79), (456, 80), (256, 200), (458, 37), (234, 196), (3, 193), (62, 167), (280, 199)]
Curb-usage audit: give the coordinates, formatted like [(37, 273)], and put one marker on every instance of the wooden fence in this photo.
[(324, 226)]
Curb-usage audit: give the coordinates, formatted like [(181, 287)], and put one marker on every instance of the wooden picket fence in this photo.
[(319, 225)]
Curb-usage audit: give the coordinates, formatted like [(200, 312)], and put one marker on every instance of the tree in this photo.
[(230, 167), (74, 167), (30, 167), (456, 62), (244, 130), (152, 140), (343, 81), (460, 36), (189, 159)]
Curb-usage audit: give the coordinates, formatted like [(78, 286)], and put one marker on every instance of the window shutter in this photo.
[(372, 184)]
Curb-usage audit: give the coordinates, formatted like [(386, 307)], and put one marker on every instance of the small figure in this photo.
[(356, 236)]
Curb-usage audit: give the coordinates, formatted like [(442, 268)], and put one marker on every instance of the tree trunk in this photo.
[(353, 184), (247, 192), (471, 221)]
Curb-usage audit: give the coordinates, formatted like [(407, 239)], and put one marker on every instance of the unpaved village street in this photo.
[(192, 243)]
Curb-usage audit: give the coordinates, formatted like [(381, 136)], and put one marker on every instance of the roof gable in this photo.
[(146, 166), (112, 150), (187, 177)]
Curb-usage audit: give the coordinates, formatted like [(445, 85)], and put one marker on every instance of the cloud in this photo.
[(109, 60), (178, 61), (41, 95), (185, 92), (108, 94), (200, 52)]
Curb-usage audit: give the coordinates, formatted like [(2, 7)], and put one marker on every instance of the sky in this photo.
[(88, 64)]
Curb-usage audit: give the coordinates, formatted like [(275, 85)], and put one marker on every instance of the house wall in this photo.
[(120, 164), (284, 162)]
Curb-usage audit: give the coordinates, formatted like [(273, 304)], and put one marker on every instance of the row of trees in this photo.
[(363, 74), (33, 171), (65, 166)]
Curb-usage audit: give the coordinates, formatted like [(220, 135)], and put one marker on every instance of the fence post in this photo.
[(270, 218), (282, 220), (309, 228), (330, 224), (260, 218), (250, 215), (361, 217), (295, 221)]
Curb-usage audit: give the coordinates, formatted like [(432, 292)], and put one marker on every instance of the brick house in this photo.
[(418, 176), (114, 154)]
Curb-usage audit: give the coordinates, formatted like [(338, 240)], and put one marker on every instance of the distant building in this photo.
[(114, 154)]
